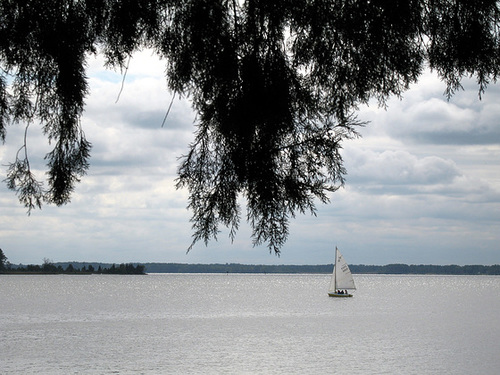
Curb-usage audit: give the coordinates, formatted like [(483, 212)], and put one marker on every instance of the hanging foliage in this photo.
[(275, 85)]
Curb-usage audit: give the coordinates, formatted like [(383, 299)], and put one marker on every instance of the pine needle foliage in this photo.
[(275, 85)]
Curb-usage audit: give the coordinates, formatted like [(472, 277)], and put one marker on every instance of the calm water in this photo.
[(248, 324)]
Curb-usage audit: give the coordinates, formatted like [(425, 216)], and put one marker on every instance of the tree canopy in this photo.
[(3, 260), (275, 85)]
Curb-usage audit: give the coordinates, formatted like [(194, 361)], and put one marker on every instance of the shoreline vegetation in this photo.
[(144, 268), (75, 268)]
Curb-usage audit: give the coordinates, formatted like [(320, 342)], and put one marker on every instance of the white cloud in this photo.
[(398, 167), (425, 116)]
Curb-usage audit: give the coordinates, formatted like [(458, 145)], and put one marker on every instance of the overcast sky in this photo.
[(423, 184)]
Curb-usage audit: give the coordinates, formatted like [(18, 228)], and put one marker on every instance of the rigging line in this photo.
[(123, 80), (168, 110)]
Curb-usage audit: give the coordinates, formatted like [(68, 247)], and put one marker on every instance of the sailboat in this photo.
[(342, 279)]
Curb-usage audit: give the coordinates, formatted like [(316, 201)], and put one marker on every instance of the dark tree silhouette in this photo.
[(3, 261), (275, 85)]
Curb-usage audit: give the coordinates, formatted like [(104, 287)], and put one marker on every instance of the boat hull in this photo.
[(339, 295)]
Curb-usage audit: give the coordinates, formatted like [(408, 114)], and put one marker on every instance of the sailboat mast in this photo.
[(335, 269)]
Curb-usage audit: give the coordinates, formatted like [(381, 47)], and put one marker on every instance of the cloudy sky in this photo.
[(423, 184)]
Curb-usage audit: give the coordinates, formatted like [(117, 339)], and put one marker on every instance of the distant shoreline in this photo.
[(74, 268), (389, 269)]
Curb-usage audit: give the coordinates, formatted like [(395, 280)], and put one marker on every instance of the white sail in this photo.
[(332, 288), (342, 276)]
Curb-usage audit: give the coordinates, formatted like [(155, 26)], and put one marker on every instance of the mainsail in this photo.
[(342, 276)]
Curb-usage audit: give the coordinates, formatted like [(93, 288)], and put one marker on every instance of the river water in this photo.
[(248, 324)]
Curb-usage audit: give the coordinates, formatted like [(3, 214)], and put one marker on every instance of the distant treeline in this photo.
[(326, 268), (427, 269), (78, 268), (234, 268), (136, 268)]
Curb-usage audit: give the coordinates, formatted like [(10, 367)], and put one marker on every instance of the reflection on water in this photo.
[(259, 324)]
